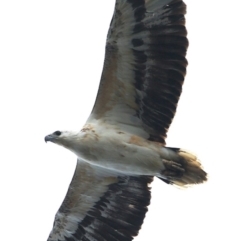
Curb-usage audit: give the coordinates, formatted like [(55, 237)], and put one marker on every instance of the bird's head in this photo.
[(62, 138)]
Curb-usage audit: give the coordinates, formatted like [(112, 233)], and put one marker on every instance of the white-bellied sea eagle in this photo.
[(122, 145)]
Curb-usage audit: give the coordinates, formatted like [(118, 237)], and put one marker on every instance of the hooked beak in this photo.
[(49, 138)]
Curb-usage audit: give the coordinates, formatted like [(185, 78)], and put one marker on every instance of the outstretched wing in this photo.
[(102, 206), (141, 83), (144, 67)]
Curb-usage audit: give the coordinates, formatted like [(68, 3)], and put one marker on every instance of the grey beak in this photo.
[(49, 138)]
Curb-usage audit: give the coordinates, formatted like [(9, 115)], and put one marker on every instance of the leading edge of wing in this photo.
[(102, 206), (144, 67)]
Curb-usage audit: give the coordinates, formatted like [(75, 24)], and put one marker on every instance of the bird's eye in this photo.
[(57, 133)]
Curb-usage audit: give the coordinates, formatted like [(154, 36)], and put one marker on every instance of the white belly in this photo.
[(120, 152)]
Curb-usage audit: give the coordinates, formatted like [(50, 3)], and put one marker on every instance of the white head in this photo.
[(62, 138)]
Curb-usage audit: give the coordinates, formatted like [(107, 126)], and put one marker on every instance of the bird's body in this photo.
[(122, 145), (114, 149)]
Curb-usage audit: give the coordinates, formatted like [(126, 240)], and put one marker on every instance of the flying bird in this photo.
[(122, 145)]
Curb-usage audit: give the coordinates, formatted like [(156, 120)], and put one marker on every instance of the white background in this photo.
[(51, 57)]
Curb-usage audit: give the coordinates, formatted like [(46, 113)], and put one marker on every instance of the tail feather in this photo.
[(183, 169)]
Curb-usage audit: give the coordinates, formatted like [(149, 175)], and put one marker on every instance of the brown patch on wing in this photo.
[(116, 88), (108, 85), (87, 127), (138, 141), (90, 132)]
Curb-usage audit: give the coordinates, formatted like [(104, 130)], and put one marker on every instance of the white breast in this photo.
[(114, 149)]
